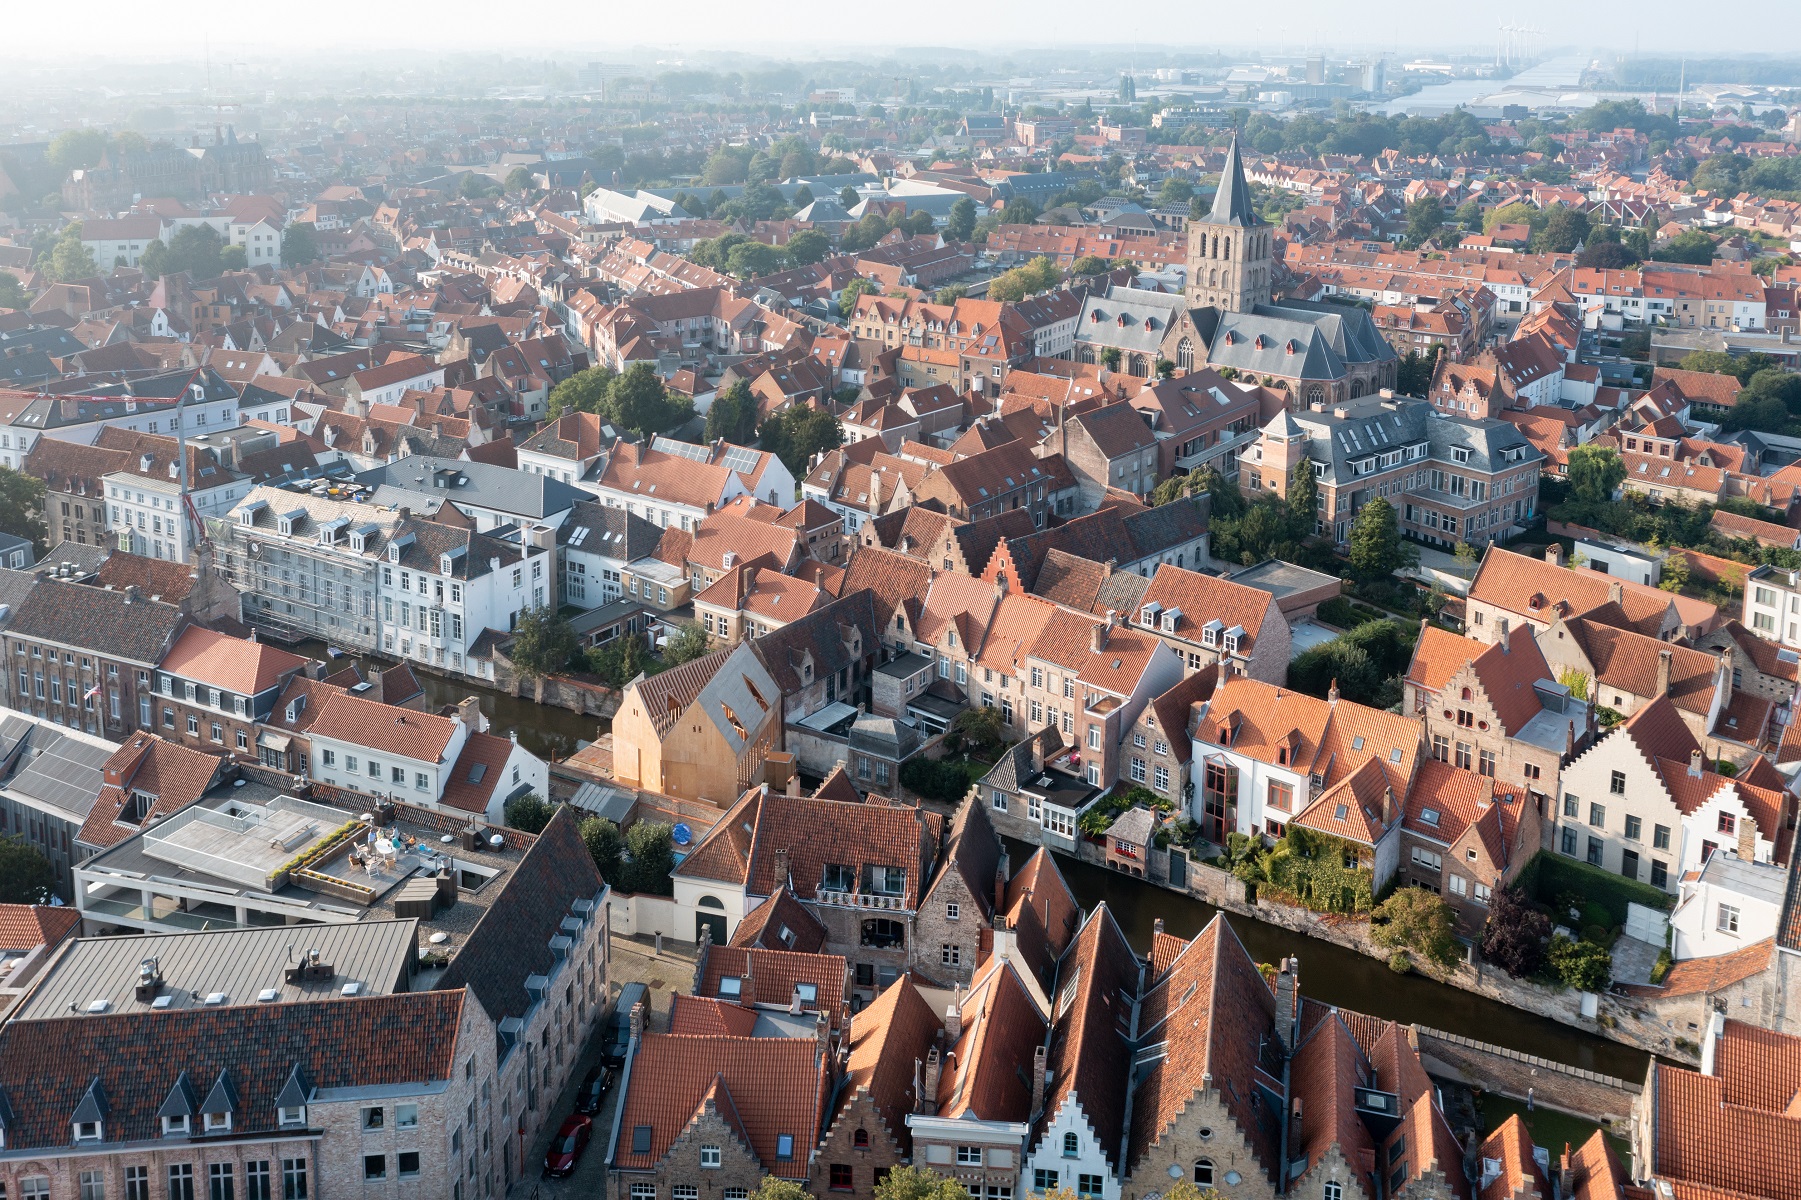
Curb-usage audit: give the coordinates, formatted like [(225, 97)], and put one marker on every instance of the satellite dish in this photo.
[(681, 835)]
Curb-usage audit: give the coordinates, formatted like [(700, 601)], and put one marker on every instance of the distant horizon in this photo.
[(116, 29)]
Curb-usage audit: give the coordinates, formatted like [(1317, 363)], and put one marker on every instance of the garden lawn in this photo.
[(1550, 1130)]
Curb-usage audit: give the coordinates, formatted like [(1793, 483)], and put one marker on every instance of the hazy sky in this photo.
[(124, 26)]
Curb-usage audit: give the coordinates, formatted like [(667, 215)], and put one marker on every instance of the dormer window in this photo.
[(176, 1124), (88, 1131), (294, 1115), (219, 1122)]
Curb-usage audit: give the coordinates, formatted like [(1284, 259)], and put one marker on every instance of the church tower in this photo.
[(1229, 252)]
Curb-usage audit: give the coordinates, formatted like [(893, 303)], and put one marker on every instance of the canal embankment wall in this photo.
[(1618, 1018), (1522, 1076)]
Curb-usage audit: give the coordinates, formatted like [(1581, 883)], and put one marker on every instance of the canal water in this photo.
[(549, 732), (1345, 978)]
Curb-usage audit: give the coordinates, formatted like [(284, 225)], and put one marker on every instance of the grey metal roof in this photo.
[(500, 488), (1232, 201), (51, 766), (243, 964), (1374, 426)]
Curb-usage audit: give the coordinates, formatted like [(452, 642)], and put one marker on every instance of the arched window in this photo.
[(1213, 279), (1316, 394), (1356, 388), (711, 902), (1072, 1145), (1185, 355), (1467, 695), (1215, 253), (1203, 1172), (861, 1139), (1333, 1190), (1228, 251)]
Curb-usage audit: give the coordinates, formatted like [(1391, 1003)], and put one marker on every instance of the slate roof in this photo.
[(512, 939), (137, 1057), (520, 493), (110, 624), (1232, 199)]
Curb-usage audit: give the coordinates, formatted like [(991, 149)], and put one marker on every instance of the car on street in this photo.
[(619, 1025), (566, 1148), (592, 1093)]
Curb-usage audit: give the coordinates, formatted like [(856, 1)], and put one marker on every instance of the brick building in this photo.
[(212, 691)]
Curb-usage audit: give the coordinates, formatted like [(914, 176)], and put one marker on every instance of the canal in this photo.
[(1343, 977), (550, 733)]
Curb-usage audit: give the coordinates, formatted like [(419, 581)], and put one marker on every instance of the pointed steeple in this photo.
[(1232, 202)]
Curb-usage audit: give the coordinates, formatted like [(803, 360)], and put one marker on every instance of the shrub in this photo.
[(940, 780), (1399, 963), (530, 812), (1514, 936), (1582, 965), (1603, 896), (650, 846)]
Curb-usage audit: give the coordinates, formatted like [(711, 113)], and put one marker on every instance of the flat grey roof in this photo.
[(1759, 881), (904, 665), (241, 964), (53, 766), (1281, 579)]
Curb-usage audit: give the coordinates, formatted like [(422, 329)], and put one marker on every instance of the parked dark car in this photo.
[(566, 1150), (619, 1025), (593, 1090)]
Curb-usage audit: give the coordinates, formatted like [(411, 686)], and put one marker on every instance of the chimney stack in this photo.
[(1695, 763), (1566, 1173), (637, 1022), (1332, 693), (1554, 554), (1664, 658), (822, 1030), (781, 867), (1391, 810), (1097, 639), (1287, 982), (1716, 1029), (1502, 623), (1037, 1081), (744, 991), (1616, 592), (1157, 927), (953, 1015), (919, 1089), (933, 1066), (1037, 753), (1000, 890), (1747, 838)]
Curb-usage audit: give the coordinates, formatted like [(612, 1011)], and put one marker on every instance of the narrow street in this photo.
[(634, 961)]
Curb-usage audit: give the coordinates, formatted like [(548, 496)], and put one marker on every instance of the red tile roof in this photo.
[(28, 926), (771, 1086), (228, 663), (776, 974), (887, 1039)]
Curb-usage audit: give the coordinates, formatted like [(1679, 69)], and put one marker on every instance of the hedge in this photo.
[(1345, 615), (1550, 875)]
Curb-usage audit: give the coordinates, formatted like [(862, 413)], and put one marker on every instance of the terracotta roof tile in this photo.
[(231, 664), (765, 924), (1515, 1172), (775, 974), (776, 1086), (1096, 983), (887, 1039), (988, 1075), (27, 926)]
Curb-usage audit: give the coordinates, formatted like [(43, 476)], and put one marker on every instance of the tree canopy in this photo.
[(1595, 473), (22, 506), (1377, 549), (26, 876), (797, 433), (299, 245), (543, 643)]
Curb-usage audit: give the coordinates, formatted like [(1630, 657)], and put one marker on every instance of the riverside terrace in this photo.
[(250, 856)]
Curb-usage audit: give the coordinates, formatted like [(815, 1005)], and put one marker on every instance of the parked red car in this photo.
[(566, 1150)]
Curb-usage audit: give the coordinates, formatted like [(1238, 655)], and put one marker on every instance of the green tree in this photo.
[(584, 391), (919, 1183), (1419, 922), (26, 876), (75, 150), (622, 660), (981, 728), (807, 246), (1303, 498), (950, 295), (962, 223), (1691, 247), (1425, 217), (1606, 256), (72, 260), (1377, 550), (519, 179), (194, 249), (1110, 357), (543, 644), (605, 846), (799, 432), (639, 401), (1090, 264), (1595, 473), (779, 1189), (299, 245), (1564, 228), (687, 645), (233, 258), (530, 812), (1517, 213), (1019, 211), (848, 198), (847, 298), (22, 506), (650, 848), (1469, 215), (1176, 191), (12, 292), (1580, 964), (733, 415), (750, 259)]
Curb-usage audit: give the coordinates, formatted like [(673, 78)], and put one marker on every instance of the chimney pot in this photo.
[(1694, 764), (1664, 658)]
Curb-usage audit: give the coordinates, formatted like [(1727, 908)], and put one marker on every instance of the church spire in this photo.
[(1232, 202)]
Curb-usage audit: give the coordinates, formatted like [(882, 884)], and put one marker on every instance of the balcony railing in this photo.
[(874, 900)]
